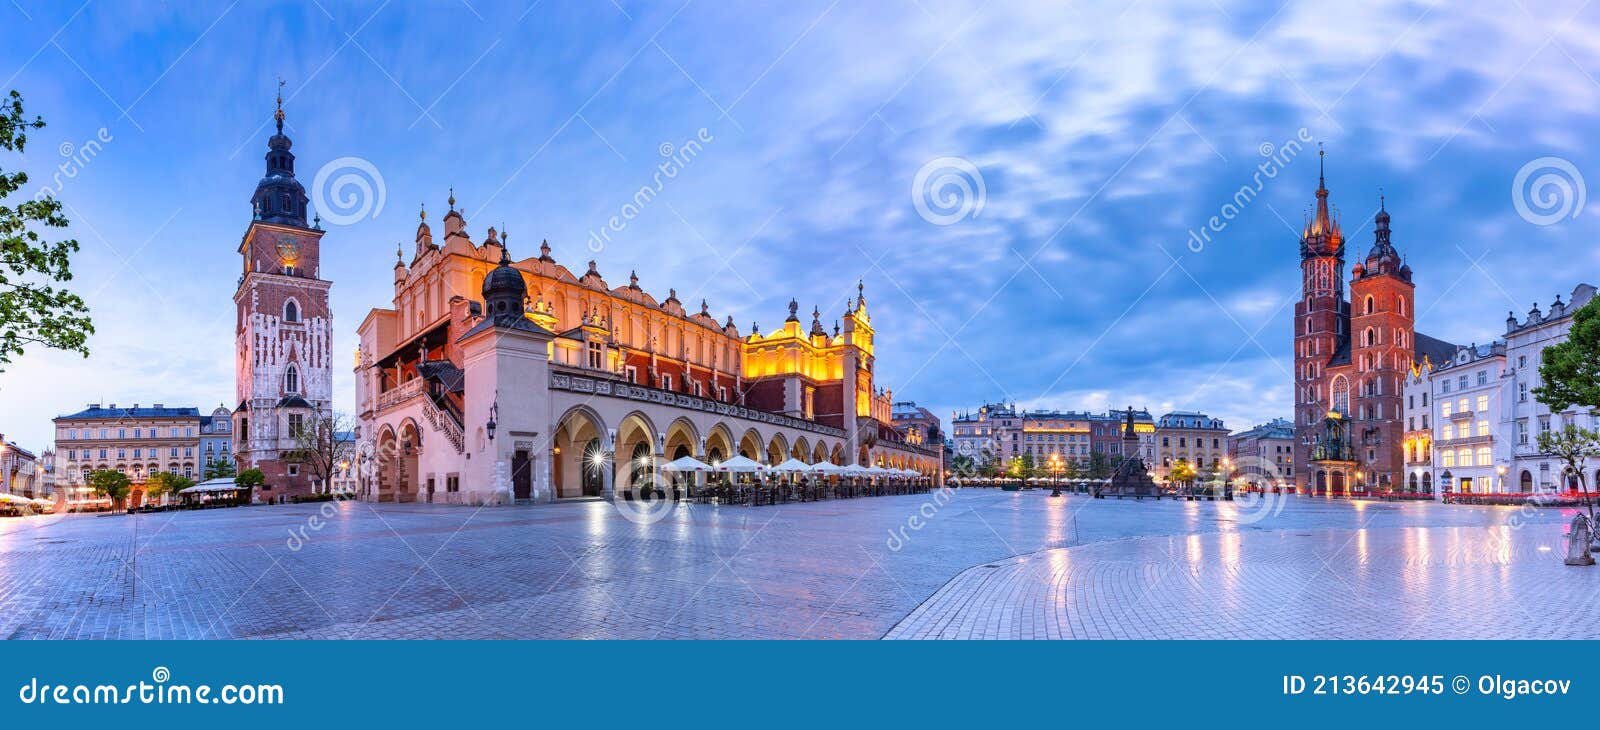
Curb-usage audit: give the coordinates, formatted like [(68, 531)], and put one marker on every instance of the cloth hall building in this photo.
[(491, 380)]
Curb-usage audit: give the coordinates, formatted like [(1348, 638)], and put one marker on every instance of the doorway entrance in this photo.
[(521, 475)]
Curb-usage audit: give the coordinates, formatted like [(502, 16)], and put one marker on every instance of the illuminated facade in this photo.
[(1196, 438), (137, 441), (1465, 410), (1351, 361), (492, 380), (1524, 417), (1262, 457), (19, 471), (999, 432)]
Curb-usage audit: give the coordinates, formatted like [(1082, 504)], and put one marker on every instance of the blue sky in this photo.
[(1103, 134)]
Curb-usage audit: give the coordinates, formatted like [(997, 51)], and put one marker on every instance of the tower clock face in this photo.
[(288, 250)]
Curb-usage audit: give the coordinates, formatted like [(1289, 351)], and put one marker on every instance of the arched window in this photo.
[(291, 380), (1370, 337), (1341, 394), (1400, 305), (1526, 482), (291, 311), (1369, 305)]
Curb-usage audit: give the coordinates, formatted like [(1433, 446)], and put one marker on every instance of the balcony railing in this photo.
[(578, 384), (398, 395)]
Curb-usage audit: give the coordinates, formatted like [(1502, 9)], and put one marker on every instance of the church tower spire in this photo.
[(279, 197)]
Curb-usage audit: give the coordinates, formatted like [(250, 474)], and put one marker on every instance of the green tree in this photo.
[(219, 469), (963, 466), (1572, 445), (32, 310), (112, 484), (1181, 472), (249, 480), (163, 483), (1030, 468), (1100, 466), (1570, 371)]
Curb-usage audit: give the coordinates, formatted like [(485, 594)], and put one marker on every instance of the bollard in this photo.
[(1578, 543)]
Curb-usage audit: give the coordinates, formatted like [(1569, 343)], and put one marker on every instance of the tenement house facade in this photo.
[(1466, 412), (491, 380), (1263, 456), (1195, 438), (999, 432), (137, 441), (1525, 417)]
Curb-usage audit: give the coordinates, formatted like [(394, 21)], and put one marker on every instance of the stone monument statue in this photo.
[(1131, 479)]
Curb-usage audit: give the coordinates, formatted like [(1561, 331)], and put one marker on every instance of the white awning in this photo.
[(212, 486)]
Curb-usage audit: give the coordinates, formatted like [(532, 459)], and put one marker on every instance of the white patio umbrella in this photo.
[(856, 470), (791, 465), (685, 464), (826, 469), (741, 465), (8, 498)]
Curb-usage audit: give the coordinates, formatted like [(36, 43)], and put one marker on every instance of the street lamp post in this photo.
[(1055, 469), (1227, 478)]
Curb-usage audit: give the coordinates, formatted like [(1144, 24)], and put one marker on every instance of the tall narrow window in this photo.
[(291, 312), (291, 381)]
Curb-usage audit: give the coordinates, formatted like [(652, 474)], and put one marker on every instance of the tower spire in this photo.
[(278, 197), (278, 115), (1322, 184)]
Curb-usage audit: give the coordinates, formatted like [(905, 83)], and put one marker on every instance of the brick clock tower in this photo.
[(283, 358)]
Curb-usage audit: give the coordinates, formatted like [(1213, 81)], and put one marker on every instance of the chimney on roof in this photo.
[(136, 405), (94, 405), (158, 405), (113, 405)]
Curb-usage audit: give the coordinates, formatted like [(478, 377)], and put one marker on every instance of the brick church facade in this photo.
[(283, 357), (1351, 355)]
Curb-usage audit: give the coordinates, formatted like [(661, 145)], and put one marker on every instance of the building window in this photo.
[(296, 424), (291, 311), (291, 380), (294, 470), (452, 483), (1483, 402), (595, 355)]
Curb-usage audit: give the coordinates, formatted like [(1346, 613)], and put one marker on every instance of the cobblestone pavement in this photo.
[(1071, 567)]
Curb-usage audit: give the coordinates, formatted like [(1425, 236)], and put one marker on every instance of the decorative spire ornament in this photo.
[(278, 115)]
